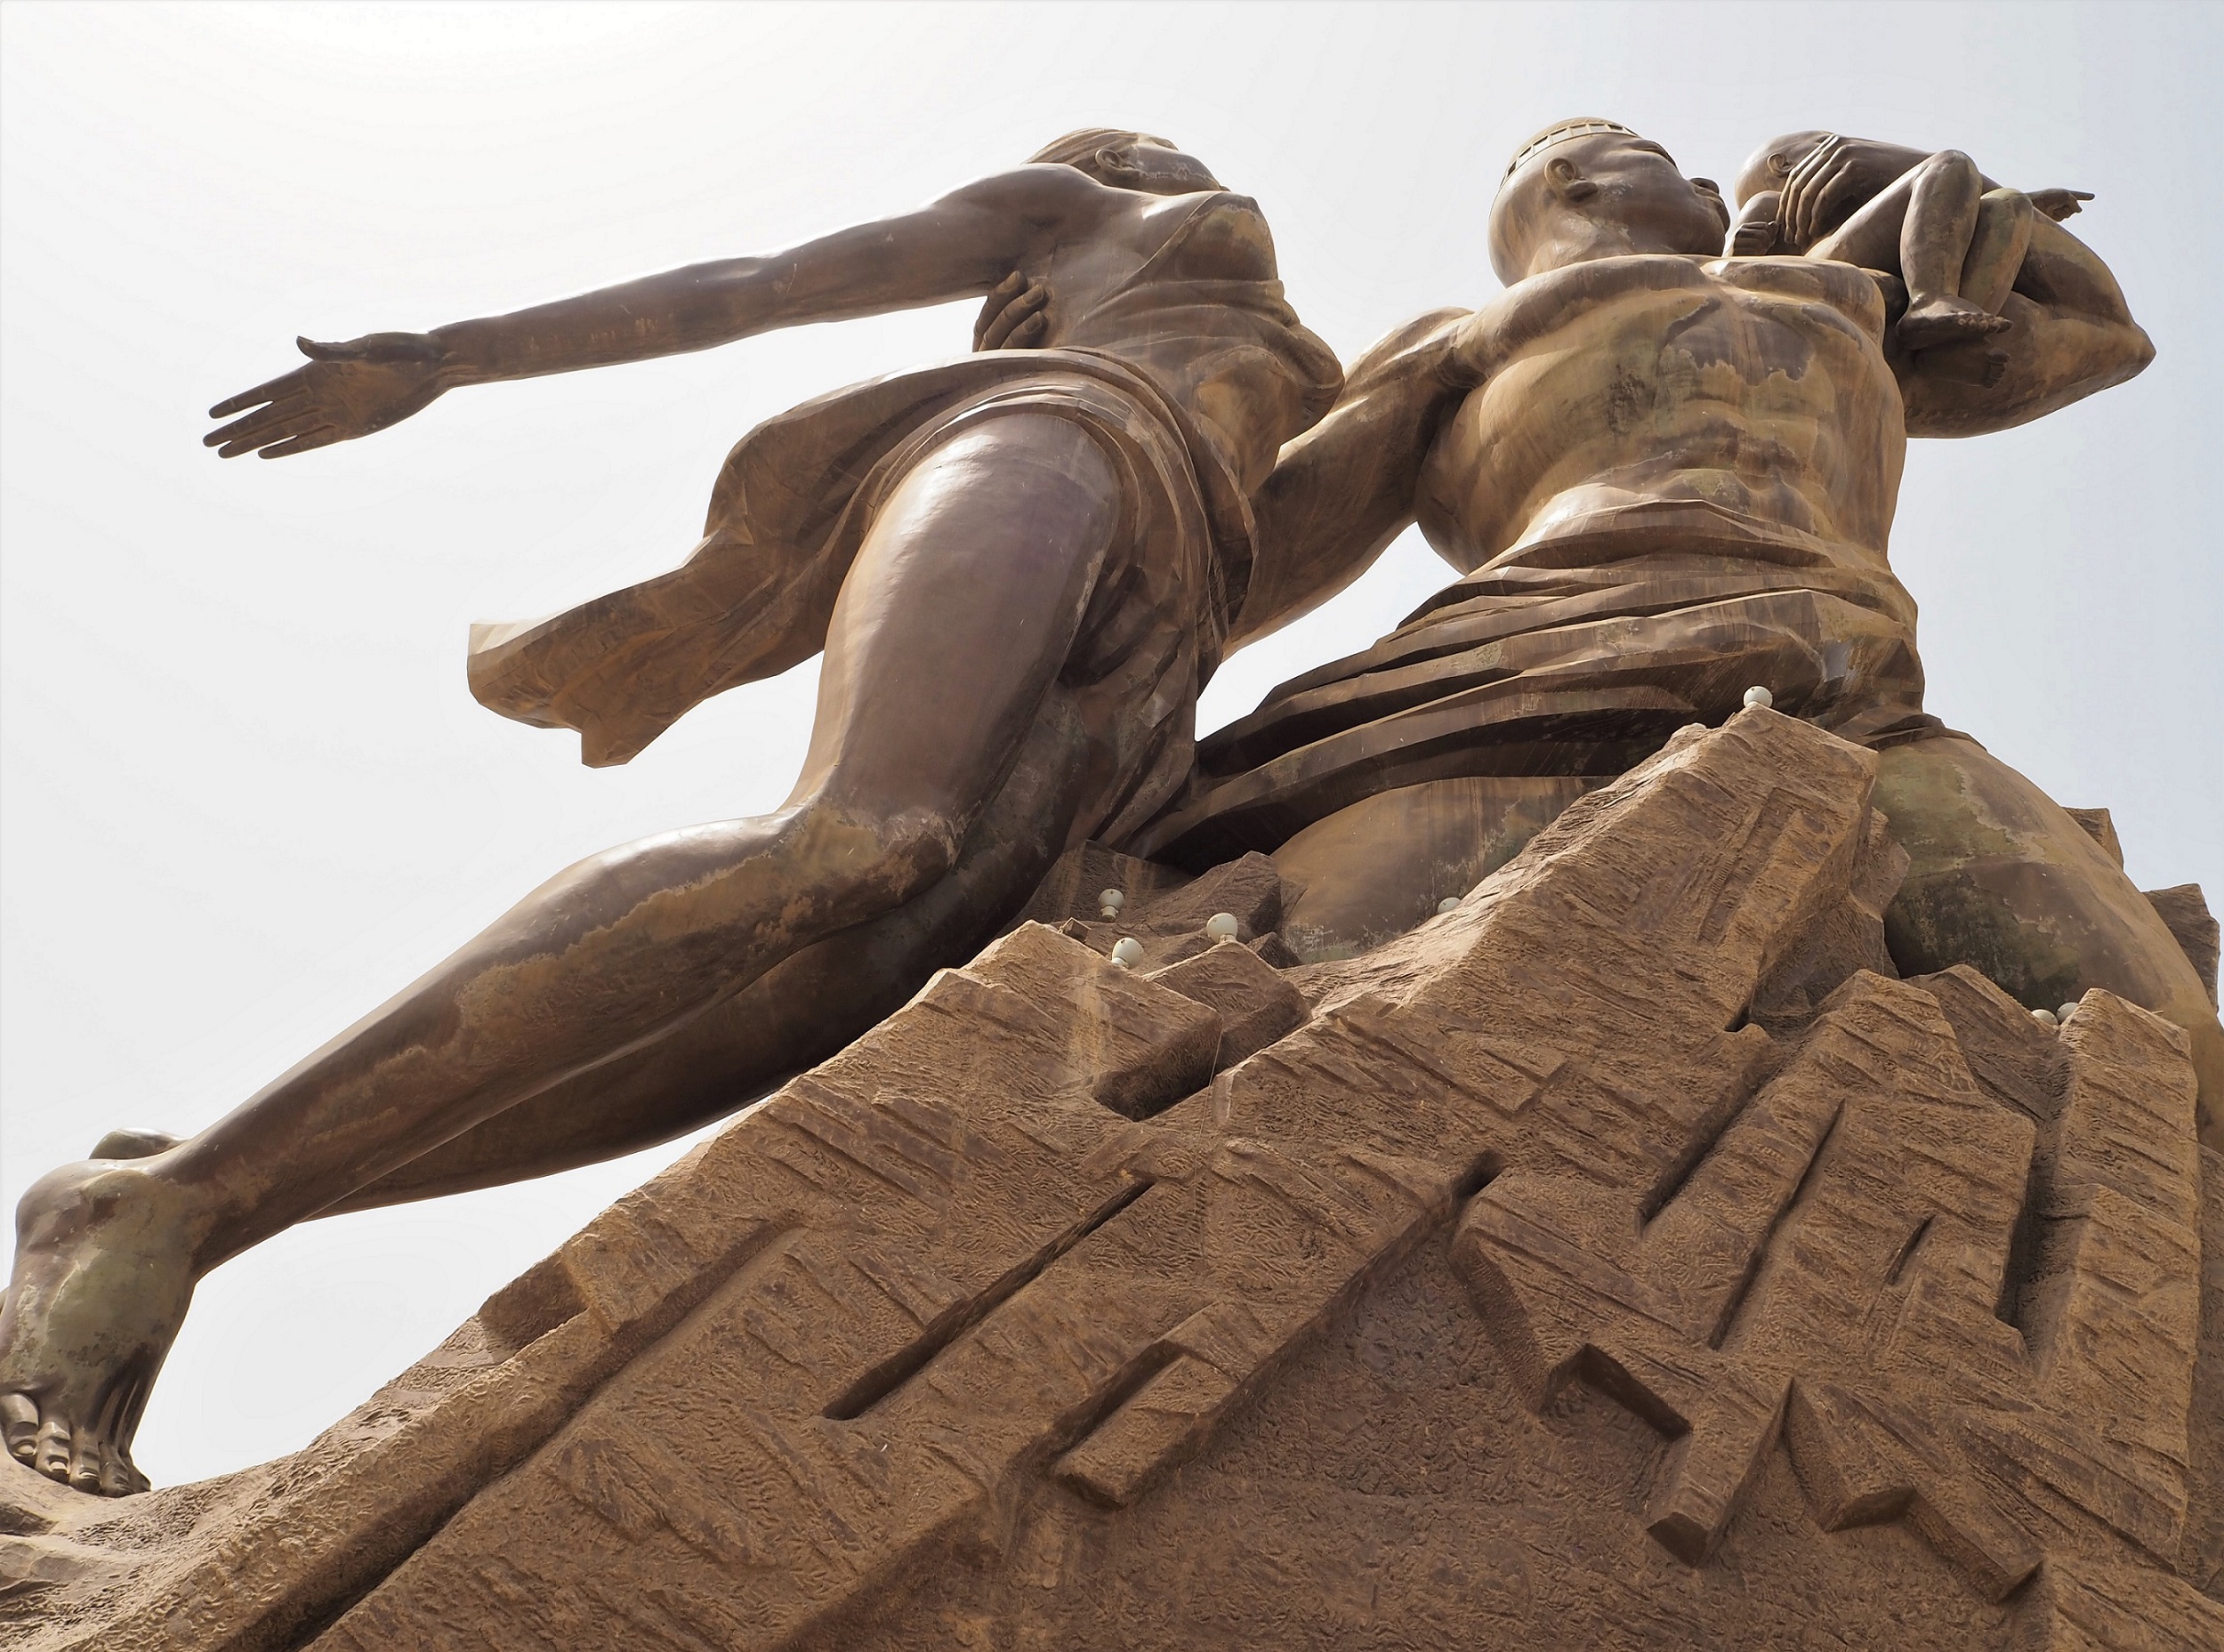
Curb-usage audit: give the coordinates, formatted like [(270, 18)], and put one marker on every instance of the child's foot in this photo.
[(103, 1273), (1946, 320)]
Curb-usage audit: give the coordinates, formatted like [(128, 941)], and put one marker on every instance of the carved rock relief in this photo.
[(1041, 1239)]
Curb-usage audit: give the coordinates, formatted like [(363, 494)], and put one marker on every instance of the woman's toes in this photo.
[(85, 1464), (51, 1455), (19, 1426), (118, 1479)]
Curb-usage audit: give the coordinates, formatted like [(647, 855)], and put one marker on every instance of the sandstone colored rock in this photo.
[(1535, 1289), (2186, 914), (1256, 1006)]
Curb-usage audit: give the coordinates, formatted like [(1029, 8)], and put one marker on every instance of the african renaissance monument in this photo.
[(1595, 1121)]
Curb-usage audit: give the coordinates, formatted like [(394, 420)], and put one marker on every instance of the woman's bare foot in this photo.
[(103, 1273), (1946, 319)]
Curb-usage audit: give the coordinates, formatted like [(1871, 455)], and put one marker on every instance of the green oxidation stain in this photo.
[(1947, 912), (1947, 919), (1512, 834), (1934, 816)]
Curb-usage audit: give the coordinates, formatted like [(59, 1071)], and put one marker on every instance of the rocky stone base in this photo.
[(1622, 1259)]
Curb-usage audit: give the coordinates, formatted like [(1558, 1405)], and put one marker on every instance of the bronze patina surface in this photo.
[(1516, 1140)]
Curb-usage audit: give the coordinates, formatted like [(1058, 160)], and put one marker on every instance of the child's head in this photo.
[(1771, 164)]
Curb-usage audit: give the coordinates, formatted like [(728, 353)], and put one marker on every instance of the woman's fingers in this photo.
[(1017, 332), (1016, 316), (263, 429), (323, 436), (992, 307), (1788, 195), (257, 427), (270, 390), (381, 347)]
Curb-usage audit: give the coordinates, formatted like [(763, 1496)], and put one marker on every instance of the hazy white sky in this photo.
[(246, 795)]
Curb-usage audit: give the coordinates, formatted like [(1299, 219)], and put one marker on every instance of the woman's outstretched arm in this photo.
[(957, 247)]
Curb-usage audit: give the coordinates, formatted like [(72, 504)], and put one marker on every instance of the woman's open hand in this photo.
[(346, 391)]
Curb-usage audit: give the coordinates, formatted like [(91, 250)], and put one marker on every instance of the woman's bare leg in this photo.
[(802, 1011), (952, 627)]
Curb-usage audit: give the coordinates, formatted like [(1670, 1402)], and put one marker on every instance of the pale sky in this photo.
[(246, 795)]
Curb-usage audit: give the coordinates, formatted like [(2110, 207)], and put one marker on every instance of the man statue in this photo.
[(1669, 478)]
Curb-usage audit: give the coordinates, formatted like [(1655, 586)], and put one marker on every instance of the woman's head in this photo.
[(1129, 160)]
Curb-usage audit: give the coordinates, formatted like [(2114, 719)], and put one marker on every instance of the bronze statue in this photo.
[(1954, 238), (1670, 478), (1020, 567)]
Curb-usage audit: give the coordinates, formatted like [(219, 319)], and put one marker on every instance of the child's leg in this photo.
[(1922, 226), (2004, 220), (1934, 244)]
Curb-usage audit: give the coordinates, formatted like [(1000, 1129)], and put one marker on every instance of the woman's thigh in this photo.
[(798, 1013), (957, 616)]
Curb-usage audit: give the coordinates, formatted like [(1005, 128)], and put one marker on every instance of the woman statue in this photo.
[(1022, 566)]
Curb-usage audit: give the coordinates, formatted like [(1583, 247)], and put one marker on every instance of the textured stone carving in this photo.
[(2186, 914), (1531, 1287)]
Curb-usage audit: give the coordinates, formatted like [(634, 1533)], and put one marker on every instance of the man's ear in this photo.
[(1568, 181), (1113, 164)]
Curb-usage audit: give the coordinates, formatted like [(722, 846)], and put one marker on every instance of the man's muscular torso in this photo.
[(1758, 386)]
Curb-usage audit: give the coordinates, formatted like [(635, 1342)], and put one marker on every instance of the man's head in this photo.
[(1767, 166), (1590, 188), (1130, 160)]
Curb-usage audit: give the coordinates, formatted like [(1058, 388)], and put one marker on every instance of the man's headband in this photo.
[(1561, 132)]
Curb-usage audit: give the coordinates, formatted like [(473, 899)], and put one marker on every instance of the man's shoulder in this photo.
[(1401, 347), (1538, 310), (1620, 272)]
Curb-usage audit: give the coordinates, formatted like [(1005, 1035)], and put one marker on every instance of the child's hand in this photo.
[(2059, 204), (1751, 240)]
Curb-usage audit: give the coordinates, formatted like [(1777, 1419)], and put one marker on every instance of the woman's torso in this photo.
[(1184, 289)]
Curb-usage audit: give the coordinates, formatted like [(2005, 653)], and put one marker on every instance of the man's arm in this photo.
[(2073, 334), (959, 245), (1345, 489)]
